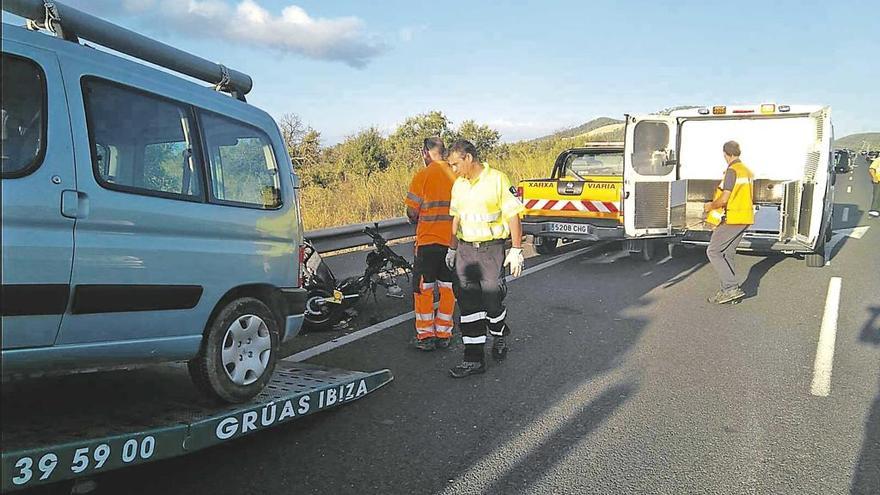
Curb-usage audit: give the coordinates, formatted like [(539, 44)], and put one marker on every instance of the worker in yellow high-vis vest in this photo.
[(485, 218), (732, 212)]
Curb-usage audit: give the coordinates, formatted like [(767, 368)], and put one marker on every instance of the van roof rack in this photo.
[(71, 24)]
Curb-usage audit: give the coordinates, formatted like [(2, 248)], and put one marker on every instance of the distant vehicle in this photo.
[(673, 165), (579, 201), (146, 218), (842, 162), (872, 155)]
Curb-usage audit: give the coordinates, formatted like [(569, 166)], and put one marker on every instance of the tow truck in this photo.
[(581, 200), (75, 427)]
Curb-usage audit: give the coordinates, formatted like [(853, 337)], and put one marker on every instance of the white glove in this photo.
[(515, 261), (450, 258)]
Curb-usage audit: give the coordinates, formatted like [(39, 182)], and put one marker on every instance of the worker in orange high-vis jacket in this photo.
[(427, 206), (732, 211)]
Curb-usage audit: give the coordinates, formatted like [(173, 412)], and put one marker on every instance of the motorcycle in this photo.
[(329, 302)]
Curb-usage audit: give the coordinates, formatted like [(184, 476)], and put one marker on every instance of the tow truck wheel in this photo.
[(548, 245), (238, 353)]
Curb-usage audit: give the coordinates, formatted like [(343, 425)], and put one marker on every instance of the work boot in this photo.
[(426, 344), (499, 348), (442, 343), (467, 368), (726, 296)]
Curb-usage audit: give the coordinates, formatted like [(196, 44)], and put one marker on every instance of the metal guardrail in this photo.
[(350, 236)]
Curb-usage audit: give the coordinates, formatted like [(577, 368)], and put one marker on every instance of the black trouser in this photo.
[(429, 266), (481, 291)]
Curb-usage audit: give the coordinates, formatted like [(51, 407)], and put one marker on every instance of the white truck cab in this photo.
[(673, 164)]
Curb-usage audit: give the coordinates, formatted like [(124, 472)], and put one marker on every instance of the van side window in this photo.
[(24, 116), (650, 140), (141, 143), (243, 167)]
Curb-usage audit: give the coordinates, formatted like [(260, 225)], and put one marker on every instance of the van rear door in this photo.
[(649, 165), (38, 191)]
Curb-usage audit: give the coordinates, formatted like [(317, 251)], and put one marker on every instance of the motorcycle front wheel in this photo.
[(319, 315)]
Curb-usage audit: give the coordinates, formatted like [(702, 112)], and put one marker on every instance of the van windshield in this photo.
[(582, 164)]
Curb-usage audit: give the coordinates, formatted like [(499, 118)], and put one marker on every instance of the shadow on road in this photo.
[(557, 447), (757, 273), (866, 479)]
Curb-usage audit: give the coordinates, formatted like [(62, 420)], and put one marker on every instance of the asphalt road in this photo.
[(622, 379)]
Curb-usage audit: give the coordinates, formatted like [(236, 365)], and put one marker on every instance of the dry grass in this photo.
[(381, 194)]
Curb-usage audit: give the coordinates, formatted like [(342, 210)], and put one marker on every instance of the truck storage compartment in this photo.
[(688, 196)]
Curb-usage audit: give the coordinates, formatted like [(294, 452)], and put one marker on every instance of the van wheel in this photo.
[(815, 260), (547, 246), (238, 353)]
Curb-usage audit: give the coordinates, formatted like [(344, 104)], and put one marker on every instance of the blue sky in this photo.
[(526, 68)]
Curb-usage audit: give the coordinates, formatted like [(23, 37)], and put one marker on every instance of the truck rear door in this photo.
[(649, 165)]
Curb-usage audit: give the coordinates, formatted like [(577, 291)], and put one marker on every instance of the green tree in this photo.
[(362, 154), (405, 143), (483, 137)]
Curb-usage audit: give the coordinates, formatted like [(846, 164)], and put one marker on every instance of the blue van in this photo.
[(145, 218)]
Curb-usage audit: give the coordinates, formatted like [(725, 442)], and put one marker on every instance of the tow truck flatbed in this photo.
[(66, 427)]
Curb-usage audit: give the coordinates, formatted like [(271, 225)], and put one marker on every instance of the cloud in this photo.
[(294, 31)]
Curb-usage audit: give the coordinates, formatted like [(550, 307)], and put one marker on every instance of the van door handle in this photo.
[(74, 204)]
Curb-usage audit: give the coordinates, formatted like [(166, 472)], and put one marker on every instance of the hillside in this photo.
[(581, 129), (857, 142)]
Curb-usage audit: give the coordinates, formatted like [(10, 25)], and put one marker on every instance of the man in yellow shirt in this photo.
[(732, 212), (485, 217), (874, 170)]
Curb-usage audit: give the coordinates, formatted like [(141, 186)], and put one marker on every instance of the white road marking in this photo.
[(845, 214), (647, 274), (850, 177), (849, 189), (821, 385), (397, 320)]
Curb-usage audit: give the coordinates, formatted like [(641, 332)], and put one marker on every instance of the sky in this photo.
[(525, 68)]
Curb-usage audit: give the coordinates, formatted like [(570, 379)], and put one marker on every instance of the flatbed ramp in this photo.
[(61, 428)]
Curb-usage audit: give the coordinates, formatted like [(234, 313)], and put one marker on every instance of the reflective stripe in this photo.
[(743, 180), (474, 340), (445, 285), (444, 317), (443, 329), (436, 204), (413, 197), (435, 218), (499, 318), (428, 286), (425, 316), (473, 317), (499, 333)]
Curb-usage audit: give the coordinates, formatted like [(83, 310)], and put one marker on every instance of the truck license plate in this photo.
[(569, 228)]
